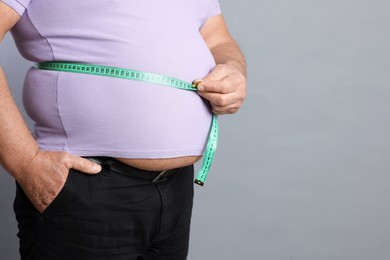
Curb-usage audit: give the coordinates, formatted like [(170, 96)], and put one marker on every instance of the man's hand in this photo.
[(224, 88), (44, 176)]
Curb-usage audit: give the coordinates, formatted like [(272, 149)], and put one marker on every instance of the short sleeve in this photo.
[(213, 8), (18, 5)]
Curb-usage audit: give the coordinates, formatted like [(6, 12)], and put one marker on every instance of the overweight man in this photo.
[(108, 171)]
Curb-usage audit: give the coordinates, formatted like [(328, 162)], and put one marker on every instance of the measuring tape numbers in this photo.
[(129, 74)]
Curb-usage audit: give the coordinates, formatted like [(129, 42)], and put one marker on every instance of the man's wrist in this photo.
[(16, 162), (240, 65), (230, 54)]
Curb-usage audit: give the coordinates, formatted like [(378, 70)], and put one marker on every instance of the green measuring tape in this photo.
[(122, 73)]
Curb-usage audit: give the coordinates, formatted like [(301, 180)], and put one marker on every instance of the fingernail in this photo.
[(196, 82), (200, 88), (96, 168)]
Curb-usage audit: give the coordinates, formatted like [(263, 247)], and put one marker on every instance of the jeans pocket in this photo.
[(62, 194)]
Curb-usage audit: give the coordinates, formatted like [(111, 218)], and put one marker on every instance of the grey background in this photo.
[(302, 171)]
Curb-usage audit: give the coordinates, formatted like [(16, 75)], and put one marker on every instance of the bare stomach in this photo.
[(160, 164)]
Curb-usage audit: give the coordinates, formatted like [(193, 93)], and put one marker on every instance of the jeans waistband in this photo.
[(111, 164)]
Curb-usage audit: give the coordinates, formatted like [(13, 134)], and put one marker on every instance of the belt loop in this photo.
[(157, 178), (106, 163)]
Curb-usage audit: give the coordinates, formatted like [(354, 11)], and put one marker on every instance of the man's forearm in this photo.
[(16, 142), (229, 53)]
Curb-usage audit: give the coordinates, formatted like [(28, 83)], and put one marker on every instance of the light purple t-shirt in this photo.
[(91, 115)]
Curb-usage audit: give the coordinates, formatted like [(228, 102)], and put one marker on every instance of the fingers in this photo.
[(225, 103), (46, 175), (231, 109), (224, 88), (222, 79), (221, 100), (223, 85), (82, 164)]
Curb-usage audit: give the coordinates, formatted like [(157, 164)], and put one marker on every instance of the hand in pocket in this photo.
[(44, 176)]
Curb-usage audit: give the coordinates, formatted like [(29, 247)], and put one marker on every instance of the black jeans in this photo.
[(109, 216)]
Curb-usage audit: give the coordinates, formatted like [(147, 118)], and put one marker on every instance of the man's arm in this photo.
[(225, 86), (41, 173), (16, 143)]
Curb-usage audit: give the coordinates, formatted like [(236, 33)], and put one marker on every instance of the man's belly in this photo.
[(157, 127), (160, 164)]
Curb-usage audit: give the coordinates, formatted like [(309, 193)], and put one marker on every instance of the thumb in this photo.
[(216, 74), (85, 165), (212, 81)]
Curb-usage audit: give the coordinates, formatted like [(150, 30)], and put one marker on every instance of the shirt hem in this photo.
[(15, 5), (152, 154)]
